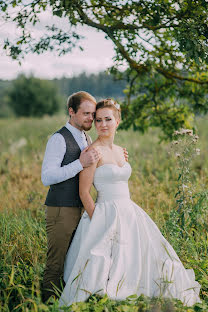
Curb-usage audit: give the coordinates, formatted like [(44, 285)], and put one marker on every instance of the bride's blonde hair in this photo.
[(110, 103)]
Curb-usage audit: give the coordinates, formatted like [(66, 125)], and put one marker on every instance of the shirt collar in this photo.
[(74, 130)]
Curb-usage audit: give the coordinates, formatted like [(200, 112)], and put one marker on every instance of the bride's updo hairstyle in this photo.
[(113, 105)]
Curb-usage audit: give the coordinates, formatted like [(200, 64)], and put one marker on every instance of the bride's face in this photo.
[(105, 122)]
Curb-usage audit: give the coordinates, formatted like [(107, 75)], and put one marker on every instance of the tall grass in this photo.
[(153, 186)]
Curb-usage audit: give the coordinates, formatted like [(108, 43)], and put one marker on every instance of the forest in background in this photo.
[(100, 85)]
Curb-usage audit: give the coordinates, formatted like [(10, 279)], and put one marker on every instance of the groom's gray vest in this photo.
[(66, 193)]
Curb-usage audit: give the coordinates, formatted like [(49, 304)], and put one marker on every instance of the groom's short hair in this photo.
[(77, 98)]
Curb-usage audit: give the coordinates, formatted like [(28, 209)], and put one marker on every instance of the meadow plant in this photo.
[(184, 148), (187, 225), (190, 214), (22, 223)]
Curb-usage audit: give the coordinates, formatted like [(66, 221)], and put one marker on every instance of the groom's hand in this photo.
[(89, 157)]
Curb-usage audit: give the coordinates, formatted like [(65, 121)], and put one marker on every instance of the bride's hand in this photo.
[(126, 154), (90, 214)]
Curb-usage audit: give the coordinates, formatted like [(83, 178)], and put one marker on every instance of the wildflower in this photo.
[(184, 186), (177, 155), (195, 138), (189, 132), (197, 151), (175, 142), (183, 131)]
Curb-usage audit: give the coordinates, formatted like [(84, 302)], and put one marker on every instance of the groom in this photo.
[(65, 156)]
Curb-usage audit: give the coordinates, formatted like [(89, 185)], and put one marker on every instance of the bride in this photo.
[(117, 249)]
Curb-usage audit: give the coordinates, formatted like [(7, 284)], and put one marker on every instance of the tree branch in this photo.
[(139, 68), (172, 75)]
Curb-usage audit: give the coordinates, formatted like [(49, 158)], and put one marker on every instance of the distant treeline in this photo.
[(20, 96), (99, 85)]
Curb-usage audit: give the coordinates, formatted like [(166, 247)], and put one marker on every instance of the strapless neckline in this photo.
[(113, 165)]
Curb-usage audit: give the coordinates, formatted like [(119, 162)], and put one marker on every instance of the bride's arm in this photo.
[(85, 182)]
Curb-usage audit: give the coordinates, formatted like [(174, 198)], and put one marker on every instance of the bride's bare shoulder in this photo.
[(118, 148), (119, 151), (95, 145)]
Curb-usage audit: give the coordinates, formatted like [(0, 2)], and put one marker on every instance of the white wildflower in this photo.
[(195, 138), (184, 186), (177, 155), (189, 132), (197, 151), (175, 142), (183, 131)]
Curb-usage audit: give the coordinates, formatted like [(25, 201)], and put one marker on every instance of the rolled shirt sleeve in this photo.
[(52, 172)]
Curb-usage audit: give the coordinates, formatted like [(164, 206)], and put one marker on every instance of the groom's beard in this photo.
[(87, 126)]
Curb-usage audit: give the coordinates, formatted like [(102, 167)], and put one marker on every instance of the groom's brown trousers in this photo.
[(61, 224)]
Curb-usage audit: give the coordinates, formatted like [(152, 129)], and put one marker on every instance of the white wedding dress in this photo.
[(121, 251)]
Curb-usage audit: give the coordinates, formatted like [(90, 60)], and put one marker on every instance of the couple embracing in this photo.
[(111, 246)]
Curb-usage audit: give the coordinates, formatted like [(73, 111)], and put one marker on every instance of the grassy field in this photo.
[(153, 186)]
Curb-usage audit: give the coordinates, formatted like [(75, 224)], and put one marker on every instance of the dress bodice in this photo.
[(111, 181)]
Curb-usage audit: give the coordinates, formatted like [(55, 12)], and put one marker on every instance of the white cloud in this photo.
[(97, 54)]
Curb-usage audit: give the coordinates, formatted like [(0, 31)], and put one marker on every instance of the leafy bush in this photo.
[(33, 97)]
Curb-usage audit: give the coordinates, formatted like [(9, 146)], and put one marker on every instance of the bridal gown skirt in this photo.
[(120, 251)]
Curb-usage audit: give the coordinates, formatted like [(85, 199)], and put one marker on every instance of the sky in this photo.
[(97, 55)]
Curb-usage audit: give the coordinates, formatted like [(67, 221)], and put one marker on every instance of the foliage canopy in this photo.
[(162, 43)]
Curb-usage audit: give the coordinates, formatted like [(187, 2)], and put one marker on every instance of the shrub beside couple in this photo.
[(111, 246)]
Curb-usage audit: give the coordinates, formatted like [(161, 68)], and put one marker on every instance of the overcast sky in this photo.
[(97, 55)]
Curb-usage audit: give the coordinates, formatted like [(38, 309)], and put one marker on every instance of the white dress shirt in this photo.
[(52, 172)]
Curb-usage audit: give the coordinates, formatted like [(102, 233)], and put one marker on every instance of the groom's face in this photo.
[(84, 116)]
